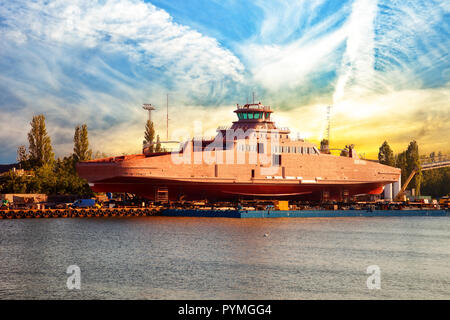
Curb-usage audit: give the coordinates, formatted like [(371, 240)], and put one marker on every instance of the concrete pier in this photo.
[(388, 192), (396, 186)]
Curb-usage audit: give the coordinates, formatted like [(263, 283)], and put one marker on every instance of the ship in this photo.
[(251, 159)]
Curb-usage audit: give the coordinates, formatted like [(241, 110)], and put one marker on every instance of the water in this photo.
[(220, 258)]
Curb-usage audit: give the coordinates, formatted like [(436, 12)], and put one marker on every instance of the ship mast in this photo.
[(149, 108), (329, 123), (167, 117)]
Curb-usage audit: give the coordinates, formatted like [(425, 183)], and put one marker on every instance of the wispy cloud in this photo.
[(357, 67), (383, 65), (98, 61)]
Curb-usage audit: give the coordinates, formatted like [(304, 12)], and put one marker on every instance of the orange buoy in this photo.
[(19, 214), (81, 213), (38, 213)]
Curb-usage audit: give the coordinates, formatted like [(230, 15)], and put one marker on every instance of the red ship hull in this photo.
[(180, 190)]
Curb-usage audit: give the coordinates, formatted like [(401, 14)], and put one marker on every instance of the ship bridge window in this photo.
[(276, 159), (250, 115), (256, 116), (244, 115)]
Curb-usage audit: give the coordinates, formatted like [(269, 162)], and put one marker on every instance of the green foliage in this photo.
[(23, 158), (81, 151), (436, 183), (412, 162), (158, 145), (149, 134), (408, 161), (400, 162), (14, 183), (99, 155), (58, 177), (40, 149), (42, 173), (325, 146), (346, 151), (386, 155)]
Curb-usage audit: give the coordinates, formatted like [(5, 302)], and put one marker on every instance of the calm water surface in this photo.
[(220, 258)]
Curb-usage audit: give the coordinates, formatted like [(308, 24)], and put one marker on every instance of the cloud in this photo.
[(96, 62), (383, 65), (357, 66)]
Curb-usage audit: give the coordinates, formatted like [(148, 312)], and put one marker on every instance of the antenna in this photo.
[(167, 117), (325, 147), (253, 97), (149, 108), (329, 123)]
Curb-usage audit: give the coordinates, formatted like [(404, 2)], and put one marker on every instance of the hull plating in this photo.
[(186, 190)]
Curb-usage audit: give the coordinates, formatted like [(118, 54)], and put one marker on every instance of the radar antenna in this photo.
[(149, 108)]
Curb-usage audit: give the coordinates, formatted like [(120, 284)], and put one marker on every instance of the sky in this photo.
[(382, 65)]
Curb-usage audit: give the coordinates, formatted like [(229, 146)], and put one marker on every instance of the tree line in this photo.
[(45, 174), (435, 183), (42, 172)]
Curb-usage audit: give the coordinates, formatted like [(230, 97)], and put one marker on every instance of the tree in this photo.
[(81, 151), (412, 162), (325, 146), (385, 155), (436, 182), (13, 182), (400, 162), (22, 157), (40, 148), (158, 145), (99, 155), (433, 156), (149, 135), (346, 151)]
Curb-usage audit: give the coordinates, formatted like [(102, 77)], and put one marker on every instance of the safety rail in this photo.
[(256, 106)]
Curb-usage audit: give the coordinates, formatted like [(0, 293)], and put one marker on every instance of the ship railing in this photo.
[(254, 106), (200, 138)]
